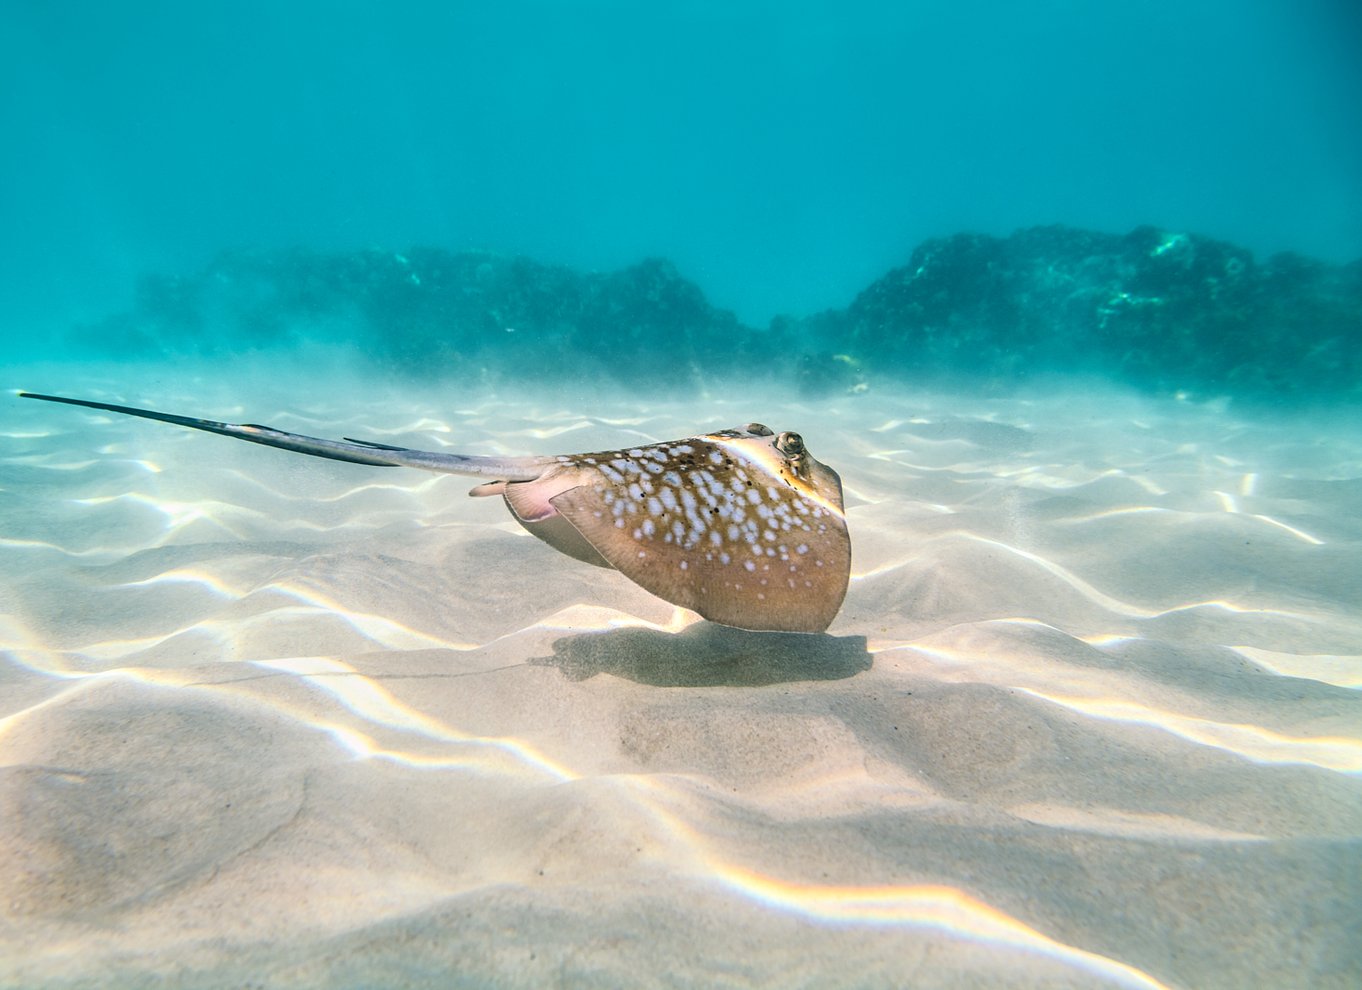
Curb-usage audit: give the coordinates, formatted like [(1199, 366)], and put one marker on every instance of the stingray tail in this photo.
[(352, 451)]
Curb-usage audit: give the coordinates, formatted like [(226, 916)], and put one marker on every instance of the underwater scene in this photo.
[(916, 459)]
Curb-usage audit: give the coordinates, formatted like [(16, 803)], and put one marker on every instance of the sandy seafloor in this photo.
[(1089, 717)]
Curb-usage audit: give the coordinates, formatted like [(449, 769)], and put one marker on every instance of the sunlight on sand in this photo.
[(945, 909), (1251, 742), (1075, 716)]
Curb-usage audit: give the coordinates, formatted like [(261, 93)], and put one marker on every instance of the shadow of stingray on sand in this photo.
[(709, 655)]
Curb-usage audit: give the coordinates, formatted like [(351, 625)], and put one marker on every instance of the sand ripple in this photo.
[(1090, 715)]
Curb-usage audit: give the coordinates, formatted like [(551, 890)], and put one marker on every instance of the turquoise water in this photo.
[(1070, 297), (782, 159)]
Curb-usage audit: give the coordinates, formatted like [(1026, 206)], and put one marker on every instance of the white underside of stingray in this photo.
[(743, 526)]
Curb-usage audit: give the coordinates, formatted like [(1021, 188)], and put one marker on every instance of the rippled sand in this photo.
[(1090, 715)]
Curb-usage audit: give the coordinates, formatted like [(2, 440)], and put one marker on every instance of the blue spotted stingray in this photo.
[(743, 526)]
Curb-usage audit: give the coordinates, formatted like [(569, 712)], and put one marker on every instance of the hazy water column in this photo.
[(782, 157)]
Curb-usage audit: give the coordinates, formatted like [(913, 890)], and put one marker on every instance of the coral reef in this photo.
[(1164, 312)]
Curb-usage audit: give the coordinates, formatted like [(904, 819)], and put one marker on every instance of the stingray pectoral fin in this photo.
[(532, 505), (355, 452), (726, 581), (532, 501)]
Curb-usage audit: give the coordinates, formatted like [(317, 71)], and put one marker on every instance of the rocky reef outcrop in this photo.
[(1159, 310), (1162, 311), (436, 313)]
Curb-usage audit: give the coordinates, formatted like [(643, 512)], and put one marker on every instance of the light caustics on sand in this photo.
[(1068, 577), (101, 551), (1089, 592), (927, 906), (1338, 670), (24, 649), (393, 635), (227, 633), (1222, 605), (21, 648), (356, 714), (374, 704), (386, 632), (358, 695), (913, 907), (1251, 742), (1035, 476), (363, 697), (176, 515), (310, 604), (934, 908), (1230, 503), (408, 491), (1120, 510), (958, 646), (36, 461), (422, 424), (1065, 575), (950, 912), (580, 619)]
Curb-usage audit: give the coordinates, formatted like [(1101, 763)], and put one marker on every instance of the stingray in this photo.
[(743, 525)]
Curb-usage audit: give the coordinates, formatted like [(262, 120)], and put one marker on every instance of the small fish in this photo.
[(743, 526)]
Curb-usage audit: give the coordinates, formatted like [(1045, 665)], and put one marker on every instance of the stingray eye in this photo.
[(758, 430), (790, 444)]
